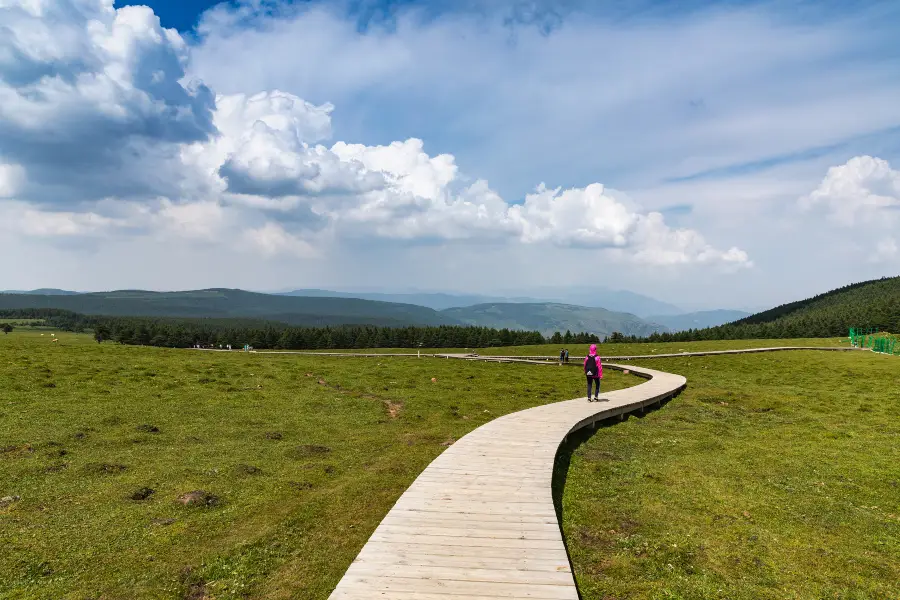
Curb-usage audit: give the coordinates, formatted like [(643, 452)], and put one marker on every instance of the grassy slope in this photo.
[(289, 531), (772, 476), (222, 303), (549, 317)]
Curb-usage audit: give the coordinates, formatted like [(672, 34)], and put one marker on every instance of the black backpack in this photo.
[(591, 365)]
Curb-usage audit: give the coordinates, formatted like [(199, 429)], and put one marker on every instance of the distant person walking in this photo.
[(562, 356), (593, 370), (566, 358)]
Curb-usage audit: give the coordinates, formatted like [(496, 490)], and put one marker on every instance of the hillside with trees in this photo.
[(870, 304), (213, 333), (227, 303)]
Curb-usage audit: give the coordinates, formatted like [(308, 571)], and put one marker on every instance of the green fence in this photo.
[(877, 341)]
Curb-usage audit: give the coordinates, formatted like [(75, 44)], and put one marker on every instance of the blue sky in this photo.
[(713, 154)]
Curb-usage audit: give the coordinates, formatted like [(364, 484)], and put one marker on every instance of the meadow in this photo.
[(134, 472), (609, 350), (771, 476)]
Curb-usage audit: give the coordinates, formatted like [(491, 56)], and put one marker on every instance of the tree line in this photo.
[(186, 333)]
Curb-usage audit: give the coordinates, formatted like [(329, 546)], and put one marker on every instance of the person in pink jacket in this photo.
[(593, 370)]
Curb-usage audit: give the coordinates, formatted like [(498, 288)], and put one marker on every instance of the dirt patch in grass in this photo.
[(393, 408), (17, 450), (199, 498), (147, 428), (194, 585), (141, 494)]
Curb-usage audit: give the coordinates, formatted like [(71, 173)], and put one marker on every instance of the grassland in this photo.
[(613, 350), (299, 456), (772, 476)]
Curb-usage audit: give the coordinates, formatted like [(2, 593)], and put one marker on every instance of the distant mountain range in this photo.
[(434, 300), (42, 292), (315, 307), (592, 297), (548, 317), (698, 320)]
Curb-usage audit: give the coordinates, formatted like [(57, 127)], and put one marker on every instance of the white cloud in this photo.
[(271, 240), (625, 101), (12, 177), (198, 220), (101, 136), (263, 160), (886, 250), (858, 191), (91, 97), (19, 218)]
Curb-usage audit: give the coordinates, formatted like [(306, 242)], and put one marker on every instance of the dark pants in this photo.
[(596, 383)]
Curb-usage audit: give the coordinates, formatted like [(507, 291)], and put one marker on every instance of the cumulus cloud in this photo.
[(87, 90), (272, 239), (22, 218), (863, 190), (95, 117)]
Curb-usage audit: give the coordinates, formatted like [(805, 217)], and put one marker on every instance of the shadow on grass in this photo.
[(564, 458)]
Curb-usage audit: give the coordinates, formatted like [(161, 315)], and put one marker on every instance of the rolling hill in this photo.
[(595, 297), (874, 303), (227, 303), (698, 320), (42, 292), (610, 299), (548, 317), (435, 300), (868, 304)]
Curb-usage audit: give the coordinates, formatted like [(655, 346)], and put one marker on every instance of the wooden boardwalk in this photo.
[(479, 522)]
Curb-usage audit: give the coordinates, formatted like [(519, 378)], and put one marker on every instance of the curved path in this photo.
[(479, 522)]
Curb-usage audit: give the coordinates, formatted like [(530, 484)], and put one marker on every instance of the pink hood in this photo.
[(599, 373)]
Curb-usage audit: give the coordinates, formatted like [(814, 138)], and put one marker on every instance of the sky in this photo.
[(709, 154)]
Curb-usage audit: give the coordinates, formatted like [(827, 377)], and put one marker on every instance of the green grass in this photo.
[(772, 476), (613, 350), (303, 470)]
